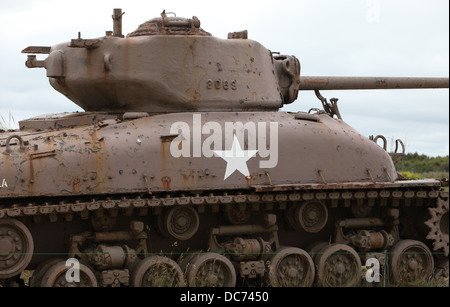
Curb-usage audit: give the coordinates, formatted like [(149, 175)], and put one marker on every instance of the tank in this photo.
[(183, 171)]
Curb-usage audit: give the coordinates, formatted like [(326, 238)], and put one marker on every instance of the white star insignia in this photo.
[(236, 158)]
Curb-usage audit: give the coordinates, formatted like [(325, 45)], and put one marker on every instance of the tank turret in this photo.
[(170, 64)]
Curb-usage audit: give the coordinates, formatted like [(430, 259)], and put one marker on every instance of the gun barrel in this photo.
[(370, 83)]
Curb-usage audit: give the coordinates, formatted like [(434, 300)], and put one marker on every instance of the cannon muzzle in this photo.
[(370, 83)]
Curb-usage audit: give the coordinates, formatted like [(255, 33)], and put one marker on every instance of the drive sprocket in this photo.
[(438, 224)]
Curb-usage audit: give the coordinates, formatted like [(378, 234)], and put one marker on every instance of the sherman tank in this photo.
[(183, 171)]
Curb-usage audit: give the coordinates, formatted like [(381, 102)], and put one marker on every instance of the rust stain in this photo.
[(165, 150), (30, 175), (6, 157), (252, 179), (315, 81), (185, 180), (192, 177), (76, 183), (196, 96), (166, 140), (166, 182), (188, 179), (99, 148)]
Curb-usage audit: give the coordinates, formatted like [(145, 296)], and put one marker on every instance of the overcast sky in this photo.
[(404, 38)]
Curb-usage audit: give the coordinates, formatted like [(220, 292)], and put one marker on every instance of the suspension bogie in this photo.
[(216, 246)]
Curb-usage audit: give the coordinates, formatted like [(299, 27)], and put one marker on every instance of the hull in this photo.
[(176, 152)]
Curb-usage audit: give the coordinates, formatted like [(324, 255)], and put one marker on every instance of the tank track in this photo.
[(250, 247)]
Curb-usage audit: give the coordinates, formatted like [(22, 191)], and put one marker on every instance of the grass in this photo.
[(427, 175)]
